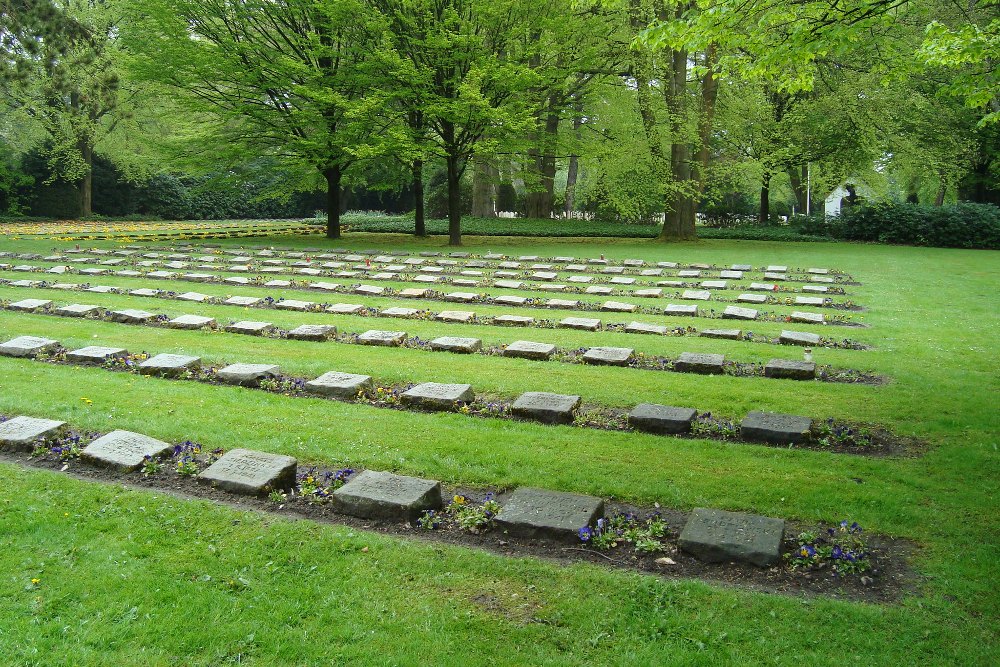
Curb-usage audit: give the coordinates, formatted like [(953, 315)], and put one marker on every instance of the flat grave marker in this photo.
[(546, 407), (662, 419), (437, 395), (249, 472), (609, 356), (95, 354), (455, 344), (716, 536), (383, 495), (124, 450), (22, 432), (531, 512), (247, 375), (169, 364), (340, 385), (698, 362), (776, 428), (313, 332), (191, 322), (382, 338)]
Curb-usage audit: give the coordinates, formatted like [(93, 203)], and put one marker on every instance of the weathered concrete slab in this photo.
[(455, 316), (681, 310), (798, 338), (717, 536), (382, 338), (95, 354), (697, 362), (808, 318), (22, 433), (251, 473), (752, 298), (737, 313), (643, 328), (293, 304), (618, 307), (250, 328), (247, 375), (27, 346), (345, 308), (191, 322), (561, 303), (726, 334), (29, 305), (131, 316), (124, 450), (383, 495), (438, 396), (662, 419), (513, 320), (313, 332), (609, 356), (525, 349), (546, 407), (77, 310), (242, 301), (696, 295), (456, 344), (582, 323), (398, 311), (340, 385), (790, 369), (170, 365), (531, 512), (775, 428)]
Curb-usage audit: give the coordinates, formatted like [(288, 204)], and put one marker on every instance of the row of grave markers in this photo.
[(545, 407), (710, 535), (690, 362)]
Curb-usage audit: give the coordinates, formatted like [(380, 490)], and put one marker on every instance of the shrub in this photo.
[(956, 226)]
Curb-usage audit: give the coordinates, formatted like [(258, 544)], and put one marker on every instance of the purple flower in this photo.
[(585, 533)]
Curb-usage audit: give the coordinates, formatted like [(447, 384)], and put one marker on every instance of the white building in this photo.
[(852, 187)]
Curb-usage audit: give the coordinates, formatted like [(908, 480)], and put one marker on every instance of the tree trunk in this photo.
[(540, 202), (680, 214), (454, 201), (709, 94), (86, 186), (942, 190), (765, 199), (419, 226), (797, 175), (333, 177), (482, 190), (574, 162)]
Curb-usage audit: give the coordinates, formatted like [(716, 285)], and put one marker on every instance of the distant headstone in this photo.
[(27, 346), (192, 296), (790, 369), (242, 300), (292, 304), (124, 450), (528, 350), (540, 513), (340, 385), (650, 293), (250, 328), (737, 313), (752, 298), (370, 290), (714, 284), (169, 364), (808, 318), (599, 289), (414, 293), (313, 332), (29, 305), (247, 375), (455, 316), (546, 407), (22, 432), (809, 301), (252, 473), (697, 362), (510, 300), (768, 275), (77, 310), (775, 428), (131, 316), (437, 395), (191, 322), (688, 274), (383, 495), (345, 308), (454, 344), (461, 297), (731, 275), (398, 311), (662, 419), (727, 334), (609, 356), (681, 309), (561, 303), (95, 354), (618, 307), (815, 289), (716, 536), (382, 338), (584, 323), (145, 292), (777, 269), (513, 320), (643, 328), (696, 295)]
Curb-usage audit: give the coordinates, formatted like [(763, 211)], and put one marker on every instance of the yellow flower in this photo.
[(459, 500), (35, 582)]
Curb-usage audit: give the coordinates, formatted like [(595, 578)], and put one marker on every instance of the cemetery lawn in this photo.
[(131, 577)]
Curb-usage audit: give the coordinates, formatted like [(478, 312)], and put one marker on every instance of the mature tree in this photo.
[(460, 74), (58, 74), (286, 78)]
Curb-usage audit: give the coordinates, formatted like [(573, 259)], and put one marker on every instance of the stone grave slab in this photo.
[(618, 307), (609, 356), (415, 293), (98, 289), (345, 308), (526, 349), (741, 267), (821, 279), (643, 328), (131, 316), (278, 283), (768, 275), (820, 272), (437, 395), (461, 297), (752, 298), (699, 362), (455, 344), (192, 296), (809, 301), (513, 320), (798, 338), (247, 375), (688, 274), (371, 290), (382, 338), (22, 432), (383, 495), (790, 369), (576, 268), (762, 287), (170, 365), (777, 269), (191, 322), (161, 275), (696, 295), (95, 354), (737, 313), (681, 309), (455, 316), (598, 289), (726, 334), (651, 272), (808, 318), (622, 280), (551, 287), (124, 450), (815, 289), (242, 301), (508, 284), (250, 328), (29, 305), (326, 287), (716, 536), (27, 346), (667, 265), (199, 277), (313, 332), (714, 284), (546, 407), (613, 270), (251, 473), (582, 323), (66, 286), (77, 310), (509, 300), (650, 293), (531, 512), (398, 311), (145, 292), (27, 283), (561, 303), (544, 275), (731, 275), (662, 419), (340, 385), (775, 428)]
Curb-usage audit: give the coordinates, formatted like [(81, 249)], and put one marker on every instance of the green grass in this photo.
[(933, 317)]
